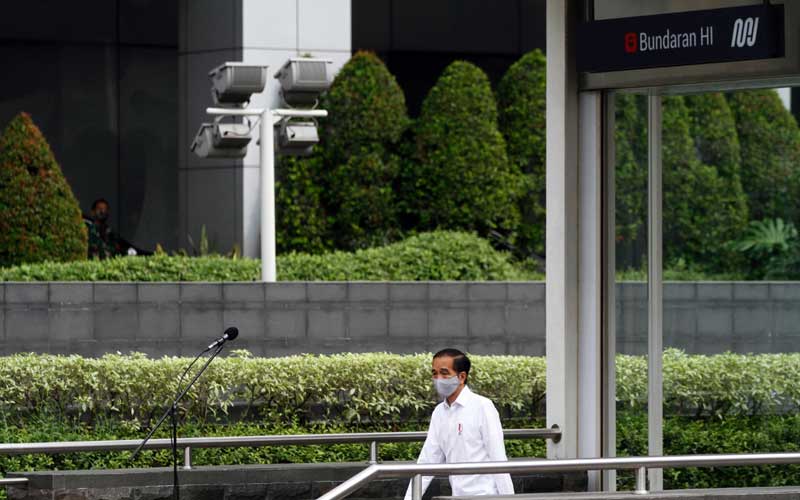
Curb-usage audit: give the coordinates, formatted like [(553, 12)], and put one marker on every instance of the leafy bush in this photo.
[(343, 388), (302, 224), (370, 388), (460, 176), (767, 239), (367, 116), (714, 404), (689, 436), (39, 217), (702, 209), (440, 255), (630, 175), (770, 148), (429, 256), (713, 130), (521, 120), (365, 106)]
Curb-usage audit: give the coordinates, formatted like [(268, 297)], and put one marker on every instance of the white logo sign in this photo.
[(745, 32)]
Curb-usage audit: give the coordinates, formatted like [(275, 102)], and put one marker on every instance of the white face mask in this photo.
[(446, 386)]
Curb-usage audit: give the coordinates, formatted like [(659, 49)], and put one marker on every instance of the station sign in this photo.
[(679, 39)]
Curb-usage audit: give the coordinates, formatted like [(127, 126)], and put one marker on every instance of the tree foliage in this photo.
[(702, 211), (302, 224), (367, 117), (459, 176), (39, 216), (770, 150), (521, 120)]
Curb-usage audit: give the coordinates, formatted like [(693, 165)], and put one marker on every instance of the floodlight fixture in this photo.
[(302, 79), (233, 83), (209, 143), (296, 138), (231, 135)]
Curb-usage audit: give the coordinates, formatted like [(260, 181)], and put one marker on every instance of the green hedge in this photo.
[(714, 404), (441, 255), (367, 387)]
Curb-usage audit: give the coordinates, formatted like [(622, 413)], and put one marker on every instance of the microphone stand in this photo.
[(173, 412)]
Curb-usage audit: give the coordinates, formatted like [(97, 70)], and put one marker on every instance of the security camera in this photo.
[(214, 140), (296, 138), (303, 79), (233, 83)]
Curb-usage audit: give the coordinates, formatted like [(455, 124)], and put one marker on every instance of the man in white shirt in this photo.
[(465, 427)]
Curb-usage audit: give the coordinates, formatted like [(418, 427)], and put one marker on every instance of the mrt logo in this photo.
[(630, 43)]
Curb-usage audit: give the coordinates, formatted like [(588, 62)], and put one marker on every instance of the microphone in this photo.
[(230, 334)]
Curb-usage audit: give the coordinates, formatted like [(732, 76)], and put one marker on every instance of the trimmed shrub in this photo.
[(439, 256), (713, 404), (39, 216), (373, 387), (301, 220), (365, 106), (429, 256), (361, 191), (460, 176), (521, 120), (630, 180), (770, 150), (713, 131), (367, 117), (702, 210)]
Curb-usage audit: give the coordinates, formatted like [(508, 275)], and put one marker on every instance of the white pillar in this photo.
[(562, 229), (590, 332), (577, 357)]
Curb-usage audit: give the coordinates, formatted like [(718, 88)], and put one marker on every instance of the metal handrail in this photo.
[(373, 438), (11, 481), (641, 464)]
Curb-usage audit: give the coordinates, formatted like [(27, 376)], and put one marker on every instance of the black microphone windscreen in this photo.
[(232, 332)]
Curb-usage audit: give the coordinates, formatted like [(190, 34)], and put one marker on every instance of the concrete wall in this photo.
[(284, 318), (273, 319), (708, 318)]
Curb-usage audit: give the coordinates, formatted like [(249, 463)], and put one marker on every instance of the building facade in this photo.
[(119, 89)]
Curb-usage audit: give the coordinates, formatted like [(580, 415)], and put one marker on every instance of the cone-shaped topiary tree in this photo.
[(39, 217), (630, 180), (701, 211), (367, 116), (459, 176), (713, 130), (521, 119), (770, 150)]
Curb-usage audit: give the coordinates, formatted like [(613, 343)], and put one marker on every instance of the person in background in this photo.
[(465, 427), (103, 242)]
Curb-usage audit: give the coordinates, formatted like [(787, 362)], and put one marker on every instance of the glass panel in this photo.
[(631, 309), (731, 182)]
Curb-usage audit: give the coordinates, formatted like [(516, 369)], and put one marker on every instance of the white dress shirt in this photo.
[(469, 430)]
